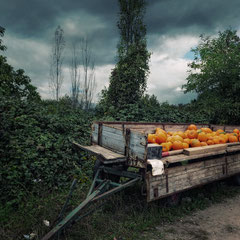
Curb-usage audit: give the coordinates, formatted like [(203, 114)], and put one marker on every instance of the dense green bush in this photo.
[(148, 109), (35, 152)]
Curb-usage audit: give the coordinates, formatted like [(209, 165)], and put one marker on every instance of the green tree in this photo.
[(215, 75), (128, 79), (14, 84)]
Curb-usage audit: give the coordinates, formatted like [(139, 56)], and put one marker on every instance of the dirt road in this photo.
[(218, 222)]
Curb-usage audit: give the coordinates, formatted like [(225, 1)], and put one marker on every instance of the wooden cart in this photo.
[(126, 142), (122, 146)]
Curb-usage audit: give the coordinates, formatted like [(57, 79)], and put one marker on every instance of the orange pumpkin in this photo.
[(159, 130), (202, 137), (210, 142), (206, 130), (187, 140), (165, 147), (219, 131), (169, 145), (236, 131), (195, 143), (233, 138), (177, 145), (203, 144), (222, 139), (160, 137), (185, 145), (192, 134), (151, 138), (177, 138), (192, 127), (216, 140), (180, 133)]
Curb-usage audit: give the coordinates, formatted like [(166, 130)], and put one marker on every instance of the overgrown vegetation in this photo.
[(126, 215), (36, 154), (215, 75), (38, 161)]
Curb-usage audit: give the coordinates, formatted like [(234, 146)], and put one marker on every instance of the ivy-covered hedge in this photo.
[(148, 109), (35, 151)]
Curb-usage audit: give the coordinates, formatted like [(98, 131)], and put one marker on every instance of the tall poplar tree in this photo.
[(128, 79), (56, 60)]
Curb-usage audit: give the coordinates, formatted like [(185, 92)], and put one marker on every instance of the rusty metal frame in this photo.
[(100, 189)]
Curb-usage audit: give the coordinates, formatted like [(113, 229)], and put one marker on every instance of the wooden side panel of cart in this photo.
[(206, 168), (119, 138), (130, 138)]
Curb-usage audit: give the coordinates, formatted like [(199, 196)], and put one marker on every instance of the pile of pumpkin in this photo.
[(192, 137)]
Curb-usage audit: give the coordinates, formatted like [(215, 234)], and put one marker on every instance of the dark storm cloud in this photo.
[(38, 19), (194, 16), (34, 17), (30, 26)]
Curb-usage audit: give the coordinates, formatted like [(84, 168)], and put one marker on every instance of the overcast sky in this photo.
[(173, 28)]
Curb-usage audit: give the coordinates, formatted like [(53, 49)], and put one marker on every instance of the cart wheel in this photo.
[(236, 179)]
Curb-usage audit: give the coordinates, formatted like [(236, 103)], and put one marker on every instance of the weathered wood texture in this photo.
[(113, 136), (105, 155), (205, 150), (118, 138), (176, 179)]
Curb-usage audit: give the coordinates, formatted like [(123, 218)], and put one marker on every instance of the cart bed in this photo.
[(185, 170)]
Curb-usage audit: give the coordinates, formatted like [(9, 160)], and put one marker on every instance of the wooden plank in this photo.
[(195, 167), (204, 150), (174, 128), (113, 139), (231, 128), (173, 152), (189, 179), (116, 131), (180, 127), (113, 145), (233, 148), (198, 173), (233, 158), (94, 134), (183, 158), (216, 127), (233, 144), (102, 152), (142, 127), (197, 170), (137, 145)]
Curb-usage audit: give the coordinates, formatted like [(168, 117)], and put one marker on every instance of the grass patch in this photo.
[(125, 215)]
